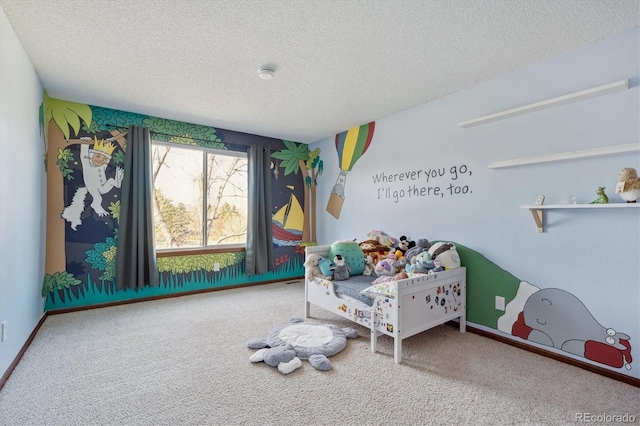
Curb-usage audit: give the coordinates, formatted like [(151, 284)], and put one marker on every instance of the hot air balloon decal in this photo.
[(350, 146)]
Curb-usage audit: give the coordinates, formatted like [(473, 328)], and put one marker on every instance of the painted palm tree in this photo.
[(315, 166), (294, 159)]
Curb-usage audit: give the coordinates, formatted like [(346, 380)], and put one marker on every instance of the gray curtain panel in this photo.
[(136, 256), (259, 232)]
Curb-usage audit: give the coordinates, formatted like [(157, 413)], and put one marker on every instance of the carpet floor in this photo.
[(184, 361)]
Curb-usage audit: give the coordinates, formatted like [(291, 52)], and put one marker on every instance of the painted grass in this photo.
[(105, 291), (485, 280)]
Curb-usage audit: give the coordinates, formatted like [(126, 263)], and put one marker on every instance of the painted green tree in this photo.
[(60, 119), (314, 167)]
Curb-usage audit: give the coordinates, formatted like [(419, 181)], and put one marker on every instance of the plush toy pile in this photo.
[(406, 256), (382, 257)]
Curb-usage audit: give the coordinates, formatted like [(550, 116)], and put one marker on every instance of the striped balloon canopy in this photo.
[(352, 144)]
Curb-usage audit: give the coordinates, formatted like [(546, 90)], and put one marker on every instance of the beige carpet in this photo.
[(184, 361)]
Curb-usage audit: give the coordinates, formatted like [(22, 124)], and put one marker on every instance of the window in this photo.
[(200, 196)]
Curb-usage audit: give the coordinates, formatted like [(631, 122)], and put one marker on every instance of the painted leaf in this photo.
[(47, 285), (73, 120), (65, 114), (59, 118), (114, 208)]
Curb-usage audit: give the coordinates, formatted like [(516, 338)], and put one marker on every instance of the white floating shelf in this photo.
[(537, 210), (571, 155), (549, 103), (581, 206)]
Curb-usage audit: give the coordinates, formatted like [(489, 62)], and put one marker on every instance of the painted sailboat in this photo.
[(288, 221)]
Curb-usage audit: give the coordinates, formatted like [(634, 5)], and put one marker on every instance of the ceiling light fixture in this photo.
[(266, 73)]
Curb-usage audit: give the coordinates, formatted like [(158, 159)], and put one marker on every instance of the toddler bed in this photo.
[(409, 307)]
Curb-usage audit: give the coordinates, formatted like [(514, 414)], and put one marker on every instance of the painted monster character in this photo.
[(94, 164)]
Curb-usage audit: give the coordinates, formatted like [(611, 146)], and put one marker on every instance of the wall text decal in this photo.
[(440, 182)]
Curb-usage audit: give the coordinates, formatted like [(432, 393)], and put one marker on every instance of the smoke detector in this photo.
[(266, 73)]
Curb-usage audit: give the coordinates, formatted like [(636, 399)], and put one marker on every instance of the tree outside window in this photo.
[(200, 196)]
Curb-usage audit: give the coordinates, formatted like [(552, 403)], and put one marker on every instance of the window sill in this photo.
[(229, 248)]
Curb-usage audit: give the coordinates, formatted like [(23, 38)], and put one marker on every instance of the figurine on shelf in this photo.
[(628, 185), (602, 197)]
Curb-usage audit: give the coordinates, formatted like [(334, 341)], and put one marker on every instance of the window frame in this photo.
[(205, 248)]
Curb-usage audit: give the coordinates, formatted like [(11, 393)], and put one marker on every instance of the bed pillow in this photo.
[(352, 253), (386, 289)]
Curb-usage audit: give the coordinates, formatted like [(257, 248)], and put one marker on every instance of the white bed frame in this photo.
[(415, 311)]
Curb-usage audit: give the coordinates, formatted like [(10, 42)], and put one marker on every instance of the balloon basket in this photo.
[(334, 206)]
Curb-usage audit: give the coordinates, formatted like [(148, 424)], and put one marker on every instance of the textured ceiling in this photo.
[(338, 63)]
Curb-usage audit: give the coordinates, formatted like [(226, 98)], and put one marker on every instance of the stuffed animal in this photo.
[(385, 267), (446, 253), (382, 238), (368, 266), (285, 346), (436, 267), (424, 264), (422, 245), (374, 248), (311, 269), (405, 244), (351, 253), (602, 197), (326, 267), (341, 270), (421, 264), (628, 185)]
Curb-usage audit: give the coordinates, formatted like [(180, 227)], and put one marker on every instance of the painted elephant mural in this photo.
[(556, 318)]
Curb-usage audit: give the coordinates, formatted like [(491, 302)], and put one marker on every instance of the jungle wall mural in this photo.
[(86, 147)]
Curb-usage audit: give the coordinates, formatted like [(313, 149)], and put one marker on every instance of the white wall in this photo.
[(22, 195), (593, 254)]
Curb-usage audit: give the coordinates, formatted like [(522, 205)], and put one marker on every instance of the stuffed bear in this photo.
[(311, 269)]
